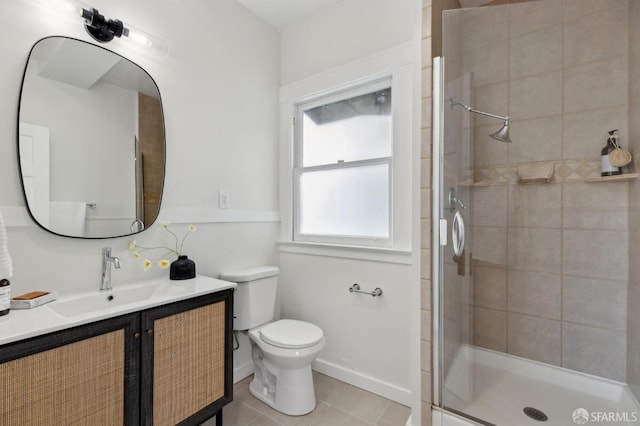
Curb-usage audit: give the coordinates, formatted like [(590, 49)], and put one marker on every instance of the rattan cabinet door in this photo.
[(81, 376), (186, 346)]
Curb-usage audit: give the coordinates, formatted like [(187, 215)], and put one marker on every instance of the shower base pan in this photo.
[(499, 389)]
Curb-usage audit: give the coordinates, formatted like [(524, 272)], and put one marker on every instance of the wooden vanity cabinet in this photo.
[(86, 375), (187, 365), (163, 366)]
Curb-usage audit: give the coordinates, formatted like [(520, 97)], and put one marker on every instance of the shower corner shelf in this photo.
[(615, 178)]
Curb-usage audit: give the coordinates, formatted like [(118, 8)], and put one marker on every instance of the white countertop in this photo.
[(24, 323)]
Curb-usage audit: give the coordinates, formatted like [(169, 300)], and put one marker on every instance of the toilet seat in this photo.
[(291, 334)]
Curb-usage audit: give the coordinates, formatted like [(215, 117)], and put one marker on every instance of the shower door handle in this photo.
[(457, 234)]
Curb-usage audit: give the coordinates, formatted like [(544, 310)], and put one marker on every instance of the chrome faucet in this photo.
[(107, 260)]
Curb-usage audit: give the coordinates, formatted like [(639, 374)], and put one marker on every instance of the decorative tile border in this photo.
[(564, 171)]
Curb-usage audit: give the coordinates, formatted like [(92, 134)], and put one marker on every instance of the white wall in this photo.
[(370, 341), (346, 32), (219, 87)]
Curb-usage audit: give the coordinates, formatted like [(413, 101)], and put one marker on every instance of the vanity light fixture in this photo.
[(102, 29)]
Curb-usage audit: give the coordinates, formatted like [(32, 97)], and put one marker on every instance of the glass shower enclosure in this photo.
[(535, 288)]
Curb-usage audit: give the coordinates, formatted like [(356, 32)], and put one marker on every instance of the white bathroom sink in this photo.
[(108, 300)]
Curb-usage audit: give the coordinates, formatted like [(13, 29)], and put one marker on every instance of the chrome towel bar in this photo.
[(356, 289)]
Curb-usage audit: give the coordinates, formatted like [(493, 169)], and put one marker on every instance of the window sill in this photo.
[(375, 254)]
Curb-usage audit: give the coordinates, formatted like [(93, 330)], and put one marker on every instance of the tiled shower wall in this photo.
[(550, 260), (425, 218), (633, 299)]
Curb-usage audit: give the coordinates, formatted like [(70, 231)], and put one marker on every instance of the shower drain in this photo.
[(535, 414)]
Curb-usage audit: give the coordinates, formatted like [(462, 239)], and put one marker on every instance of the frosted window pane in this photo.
[(357, 128), (349, 202)]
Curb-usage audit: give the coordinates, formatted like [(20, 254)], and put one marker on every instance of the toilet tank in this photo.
[(254, 301)]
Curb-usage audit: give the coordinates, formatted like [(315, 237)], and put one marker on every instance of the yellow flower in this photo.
[(135, 255), (192, 228), (165, 224), (132, 245), (146, 264), (164, 263)]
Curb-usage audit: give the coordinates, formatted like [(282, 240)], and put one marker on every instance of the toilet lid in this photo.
[(291, 334)]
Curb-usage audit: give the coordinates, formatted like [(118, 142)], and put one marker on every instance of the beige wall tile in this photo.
[(535, 205), (489, 245), (488, 151), (535, 293), (596, 302), (591, 206), (578, 9), (533, 16), (426, 112), (634, 45), (425, 355), (426, 415), (425, 324), (490, 329), (426, 386), (425, 264), (598, 36), (633, 142), (426, 142), (534, 338), (425, 232), (425, 177), (425, 203), (426, 21), (425, 294), (536, 96), (426, 49), (633, 334), (488, 63), (490, 98), (535, 249), (451, 294), (482, 26), (585, 132), (538, 139), (450, 343), (597, 84), (490, 287), (427, 75), (489, 206), (466, 324), (595, 254), (594, 350), (536, 52)]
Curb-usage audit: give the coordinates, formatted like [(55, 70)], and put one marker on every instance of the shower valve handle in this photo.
[(455, 201)]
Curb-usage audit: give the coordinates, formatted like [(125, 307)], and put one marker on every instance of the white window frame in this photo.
[(299, 169), (401, 65)]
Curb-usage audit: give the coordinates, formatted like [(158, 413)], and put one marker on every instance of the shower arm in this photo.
[(471, 109)]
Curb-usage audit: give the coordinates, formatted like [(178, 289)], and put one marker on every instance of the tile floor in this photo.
[(338, 404)]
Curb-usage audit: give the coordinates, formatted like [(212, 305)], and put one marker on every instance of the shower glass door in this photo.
[(453, 178)]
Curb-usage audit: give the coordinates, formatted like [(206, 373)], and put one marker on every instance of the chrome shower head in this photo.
[(502, 135)]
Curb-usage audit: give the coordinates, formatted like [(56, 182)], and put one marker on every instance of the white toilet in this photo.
[(283, 350)]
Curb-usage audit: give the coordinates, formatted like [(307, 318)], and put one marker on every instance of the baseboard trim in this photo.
[(243, 371), (362, 381)]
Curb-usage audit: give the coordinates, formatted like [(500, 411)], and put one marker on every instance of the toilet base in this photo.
[(289, 391)]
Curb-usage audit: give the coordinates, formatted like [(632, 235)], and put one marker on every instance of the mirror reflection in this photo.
[(91, 141)]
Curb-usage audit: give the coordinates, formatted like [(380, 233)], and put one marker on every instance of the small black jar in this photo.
[(182, 268)]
